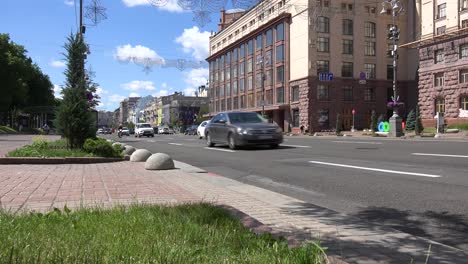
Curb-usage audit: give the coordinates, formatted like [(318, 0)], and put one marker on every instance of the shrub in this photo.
[(410, 120), (100, 147), (463, 126), (418, 126), (40, 142)]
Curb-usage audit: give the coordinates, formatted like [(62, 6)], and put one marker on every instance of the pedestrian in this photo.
[(46, 128), (302, 129)]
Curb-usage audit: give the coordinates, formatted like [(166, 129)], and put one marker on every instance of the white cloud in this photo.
[(115, 98), (167, 5), (57, 91), (101, 105), (138, 54), (138, 86), (194, 79), (57, 63), (100, 91), (134, 95), (195, 42), (161, 93), (164, 85), (69, 2)]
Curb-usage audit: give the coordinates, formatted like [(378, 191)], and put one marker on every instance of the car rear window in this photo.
[(144, 126)]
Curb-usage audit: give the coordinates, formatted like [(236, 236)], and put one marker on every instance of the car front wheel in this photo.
[(232, 142), (209, 143)]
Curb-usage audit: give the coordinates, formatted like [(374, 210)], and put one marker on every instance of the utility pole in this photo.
[(81, 19)]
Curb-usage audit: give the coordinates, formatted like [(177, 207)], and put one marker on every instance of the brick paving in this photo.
[(43, 187)]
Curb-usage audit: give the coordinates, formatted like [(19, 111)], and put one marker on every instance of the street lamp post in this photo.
[(394, 34), (260, 63)]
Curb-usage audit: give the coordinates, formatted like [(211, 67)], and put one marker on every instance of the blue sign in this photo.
[(325, 76), (362, 76)]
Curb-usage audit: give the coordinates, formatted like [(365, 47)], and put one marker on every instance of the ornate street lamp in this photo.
[(394, 34)]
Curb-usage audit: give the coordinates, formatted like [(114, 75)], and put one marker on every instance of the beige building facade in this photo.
[(443, 55), (297, 46)]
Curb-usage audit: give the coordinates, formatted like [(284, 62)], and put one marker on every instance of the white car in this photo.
[(163, 130), (144, 129), (201, 129)]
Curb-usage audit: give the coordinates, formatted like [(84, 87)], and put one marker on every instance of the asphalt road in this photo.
[(416, 186)]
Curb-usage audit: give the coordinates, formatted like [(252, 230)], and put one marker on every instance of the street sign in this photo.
[(325, 76), (362, 76)]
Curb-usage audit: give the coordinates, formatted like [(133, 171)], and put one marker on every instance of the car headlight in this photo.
[(242, 131), (279, 130)]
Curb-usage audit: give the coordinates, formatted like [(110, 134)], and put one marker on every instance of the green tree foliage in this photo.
[(418, 126), (410, 121), (373, 121), (22, 81), (204, 109), (339, 124), (74, 118)]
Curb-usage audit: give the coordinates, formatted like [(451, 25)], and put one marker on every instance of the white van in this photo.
[(144, 129)]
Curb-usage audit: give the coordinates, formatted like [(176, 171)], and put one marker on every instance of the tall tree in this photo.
[(74, 118), (410, 120)]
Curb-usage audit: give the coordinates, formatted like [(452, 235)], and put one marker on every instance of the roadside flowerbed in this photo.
[(198, 233), (58, 148)]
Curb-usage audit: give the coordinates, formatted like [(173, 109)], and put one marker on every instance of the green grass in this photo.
[(199, 233), (463, 126), (44, 148), (7, 130)]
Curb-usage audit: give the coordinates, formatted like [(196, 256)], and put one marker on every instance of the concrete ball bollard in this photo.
[(159, 161), (128, 150), (140, 155)]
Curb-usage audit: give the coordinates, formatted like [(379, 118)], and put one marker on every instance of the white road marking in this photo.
[(177, 144), (439, 155), (295, 146), (358, 142), (376, 169), (220, 149)]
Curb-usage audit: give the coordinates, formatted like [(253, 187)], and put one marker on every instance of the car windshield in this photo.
[(145, 126), (125, 128), (236, 118)]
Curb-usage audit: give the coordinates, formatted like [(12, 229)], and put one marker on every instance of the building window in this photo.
[(251, 101), (229, 105), (236, 103), (216, 76), (242, 101), (234, 87), (221, 91), (223, 105), (250, 47), (389, 72), (322, 66), (348, 93), (242, 51), (279, 53), (258, 80), (441, 30), (464, 23), (249, 65), (441, 11), (464, 102), (242, 68), (234, 72), (280, 95), (259, 99), (295, 117), (369, 68), (323, 92), (347, 69), (440, 105), (269, 77), (249, 83), (369, 29), (234, 54), (463, 5), (269, 37), (259, 42), (280, 32), (324, 120), (369, 49), (439, 79), (347, 46), (369, 94), (280, 74), (463, 76), (439, 56), (323, 44), (323, 24), (268, 58), (259, 59), (324, 3), (241, 85), (269, 97), (347, 27), (295, 93), (464, 51), (228, 73), (222, 76), (221, 66), (228, 58)]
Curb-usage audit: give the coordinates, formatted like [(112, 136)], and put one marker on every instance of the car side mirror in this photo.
[(222, 121)]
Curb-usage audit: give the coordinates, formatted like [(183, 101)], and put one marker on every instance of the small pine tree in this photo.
[(74, 119), (418, 128), (339, 125), (410, 121), (373, 123)]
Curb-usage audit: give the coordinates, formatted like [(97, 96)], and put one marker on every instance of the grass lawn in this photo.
[(199, 233), (43, 148)]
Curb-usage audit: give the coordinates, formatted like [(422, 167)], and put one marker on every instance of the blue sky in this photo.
[(134, 30)]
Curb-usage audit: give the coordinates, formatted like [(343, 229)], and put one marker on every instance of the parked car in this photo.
[(163, 130), (131, 131), (201, 129), (144, 129), (125, 131), (100, 131), (191, 130), (241, 129), (107, 131)]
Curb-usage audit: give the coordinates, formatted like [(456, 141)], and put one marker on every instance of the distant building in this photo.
[(179, 110), (105, 119), (126, 107)]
